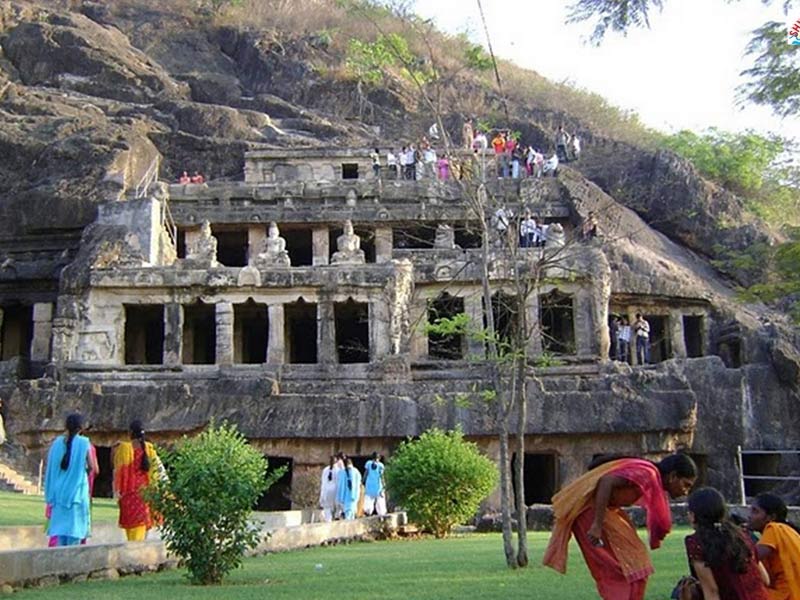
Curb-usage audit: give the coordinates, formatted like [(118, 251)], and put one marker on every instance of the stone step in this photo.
[(12, 480)]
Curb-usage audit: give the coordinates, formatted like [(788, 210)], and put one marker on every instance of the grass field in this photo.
[(462, 567), (17, 509)]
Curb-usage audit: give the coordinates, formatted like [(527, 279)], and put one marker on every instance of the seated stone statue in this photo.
[(203, 249), (445, 237), (348, 247), (555, 236), (273, 251)]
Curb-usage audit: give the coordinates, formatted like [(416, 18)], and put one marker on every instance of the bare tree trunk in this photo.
[(500, 406), (522, 417)]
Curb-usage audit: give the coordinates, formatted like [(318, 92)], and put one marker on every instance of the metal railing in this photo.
[(742, 477), (148, 179)]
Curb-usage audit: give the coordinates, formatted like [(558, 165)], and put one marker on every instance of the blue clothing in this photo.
[(67, 492), (348, 489), (642, 350), (373, 484)]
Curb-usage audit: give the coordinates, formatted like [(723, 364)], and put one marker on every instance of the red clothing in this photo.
[(604, 565), (129, 480), (731, 585)]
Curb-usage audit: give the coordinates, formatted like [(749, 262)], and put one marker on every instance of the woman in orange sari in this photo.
[(590, 508), (135, 466), (779, 546)]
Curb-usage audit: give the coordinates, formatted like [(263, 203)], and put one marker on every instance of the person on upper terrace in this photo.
[(562, 144), (467, 134), (375, 157), (551, 166), (642, 329), (429, 162), (391, 164), (184, 179), (443, 166), (198, 178), (480, 143), (576, 147)]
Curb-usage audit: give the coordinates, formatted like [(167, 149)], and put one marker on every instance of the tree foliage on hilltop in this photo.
[(774, 78)]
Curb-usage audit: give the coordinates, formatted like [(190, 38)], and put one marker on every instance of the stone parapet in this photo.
[(51, 566)]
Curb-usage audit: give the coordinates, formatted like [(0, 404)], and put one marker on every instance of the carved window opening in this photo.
[(232, 246), (540, 476), (445, 346), (299, 245), (250, 333), (660, 342), (199, 334), (144, 334), (105, 478), (301, 332), (693, 335), (504, 311), (730, 351), (415, 237), (557, 323), (468, 236), (367, 241), (180, 243), (764, 465), (352, 331), (349, 170), (16, 333), (279, 495)]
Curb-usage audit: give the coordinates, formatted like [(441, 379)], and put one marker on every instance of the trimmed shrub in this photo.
[(440, 479), (214, 481)]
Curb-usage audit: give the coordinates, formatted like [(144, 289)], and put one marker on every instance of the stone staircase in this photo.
[(13, 481)]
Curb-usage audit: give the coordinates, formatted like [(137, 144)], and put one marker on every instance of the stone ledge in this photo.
[(51, 566)]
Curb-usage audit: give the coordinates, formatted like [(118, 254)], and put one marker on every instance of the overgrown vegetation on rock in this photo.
[(440, 479)]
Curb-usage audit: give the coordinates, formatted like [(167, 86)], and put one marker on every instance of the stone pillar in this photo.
[(534, 331), (631, 319), (224, 333), (42, 330), (276, 343), (419, 321), (173, 334), (473, 307), (379, 338), (2, 314), (585, 328), (256, 234), (320, 246), (326, 333), (677, 339), (384, 238)]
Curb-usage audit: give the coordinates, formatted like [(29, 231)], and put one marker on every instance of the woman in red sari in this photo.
[(135, 466), (721, 556), (590, 508)]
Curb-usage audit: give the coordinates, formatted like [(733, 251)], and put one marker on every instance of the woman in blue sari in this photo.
[(66, 484), (348, 489)]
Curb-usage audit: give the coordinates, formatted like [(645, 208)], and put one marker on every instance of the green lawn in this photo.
[(18, 509), (462, 567)]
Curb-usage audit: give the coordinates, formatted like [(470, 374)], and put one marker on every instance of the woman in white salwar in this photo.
[(374, 489), (327, 490)]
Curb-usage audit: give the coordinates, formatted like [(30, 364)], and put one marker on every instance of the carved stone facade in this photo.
[(311, 333)]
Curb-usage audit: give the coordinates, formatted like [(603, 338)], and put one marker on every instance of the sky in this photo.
[(682, 73)]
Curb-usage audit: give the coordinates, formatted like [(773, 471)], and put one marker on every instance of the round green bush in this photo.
[(440, 479), (214, 480)]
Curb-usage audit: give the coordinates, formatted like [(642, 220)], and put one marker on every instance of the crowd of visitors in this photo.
[(506, 155), (726, 561), (69, 481), (620, 333), (345, 494), (185, 178)]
